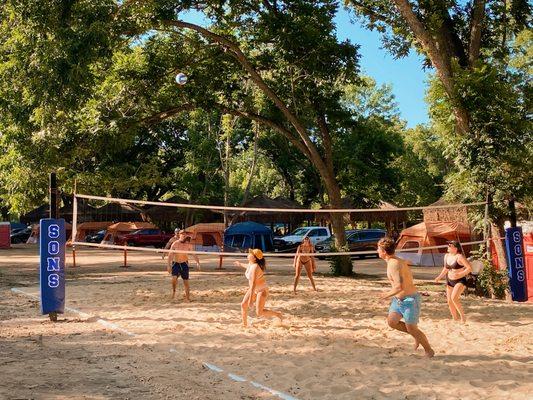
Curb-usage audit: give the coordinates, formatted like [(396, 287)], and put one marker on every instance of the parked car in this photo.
[(20, 235), (291, 242), (144, 237), (96, 237), (357, 240)]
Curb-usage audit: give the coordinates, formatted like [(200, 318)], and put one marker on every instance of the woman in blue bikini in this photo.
[(456, 268)]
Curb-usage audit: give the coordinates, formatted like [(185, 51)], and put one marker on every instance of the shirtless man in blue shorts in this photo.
[(405, 298), (178, 264)]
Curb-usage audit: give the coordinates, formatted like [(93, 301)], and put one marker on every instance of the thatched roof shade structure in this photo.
[(388, 215), (85, 212), (392, 219), (36, 214), (455, 214), (170, 217), (119, 212), (167, 214), (266, 217), (289, 220)]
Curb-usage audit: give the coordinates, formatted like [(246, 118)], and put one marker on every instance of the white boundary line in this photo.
[(211, 367), (226, 254), (293, 210)]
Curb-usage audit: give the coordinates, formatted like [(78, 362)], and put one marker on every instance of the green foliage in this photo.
[(491, 282), (495, 155)]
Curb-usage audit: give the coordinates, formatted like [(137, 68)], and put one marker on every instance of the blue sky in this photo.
[(405, 75)]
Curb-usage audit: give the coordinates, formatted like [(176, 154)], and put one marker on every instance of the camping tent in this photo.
[(428, 234), (121, 228), (34, 237), (206, 236), (247, 235), (89, 228)]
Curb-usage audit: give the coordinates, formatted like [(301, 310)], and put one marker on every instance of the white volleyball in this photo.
[(181, 79)]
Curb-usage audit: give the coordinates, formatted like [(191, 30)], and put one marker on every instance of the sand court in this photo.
[(333, 344)]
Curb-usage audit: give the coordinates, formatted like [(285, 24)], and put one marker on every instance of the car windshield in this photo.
[(101, 232), (300, 232)]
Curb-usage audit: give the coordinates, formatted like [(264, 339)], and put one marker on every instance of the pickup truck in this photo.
[(144, 237), (291, 242)]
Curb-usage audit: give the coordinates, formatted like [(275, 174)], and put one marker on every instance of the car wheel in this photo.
[(130, 243), (321, 258)]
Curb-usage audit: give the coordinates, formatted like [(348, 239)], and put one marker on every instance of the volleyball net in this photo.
[(227, 231)]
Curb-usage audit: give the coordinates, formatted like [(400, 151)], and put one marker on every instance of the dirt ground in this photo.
[(132, 342)]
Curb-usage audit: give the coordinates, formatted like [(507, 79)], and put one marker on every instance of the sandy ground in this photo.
[(334, 344)]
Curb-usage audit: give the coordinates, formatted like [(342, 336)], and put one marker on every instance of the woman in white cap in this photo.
[(257, 287)]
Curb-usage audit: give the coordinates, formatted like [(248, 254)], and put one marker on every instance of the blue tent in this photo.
[(248, 235)]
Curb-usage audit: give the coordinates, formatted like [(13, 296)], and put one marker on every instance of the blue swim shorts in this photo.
[(408, 308), (180, 269)]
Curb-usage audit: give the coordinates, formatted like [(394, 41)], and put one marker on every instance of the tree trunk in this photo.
[(497, 232), (337, 224)]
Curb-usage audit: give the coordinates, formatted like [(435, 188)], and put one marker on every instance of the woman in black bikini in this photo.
[(456, 268), (304, 261)]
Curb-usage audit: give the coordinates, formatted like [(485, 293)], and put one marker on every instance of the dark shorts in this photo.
[(180, 269), (453, 282)]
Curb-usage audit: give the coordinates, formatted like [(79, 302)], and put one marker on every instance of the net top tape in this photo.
[(236, 254), (258, 209)]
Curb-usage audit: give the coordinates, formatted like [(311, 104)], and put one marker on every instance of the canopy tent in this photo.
[(89, 228), (247, 235), (121, 228), (34, 237), (428, 234)]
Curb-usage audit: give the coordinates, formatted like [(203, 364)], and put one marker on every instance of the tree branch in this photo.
[(234, 49), (156, 118), (440, 60), (478, 15)]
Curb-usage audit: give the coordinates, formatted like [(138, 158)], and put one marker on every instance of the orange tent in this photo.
[(89, 228), (206, 235), (122, 228), (428, 234), (34, 237)]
